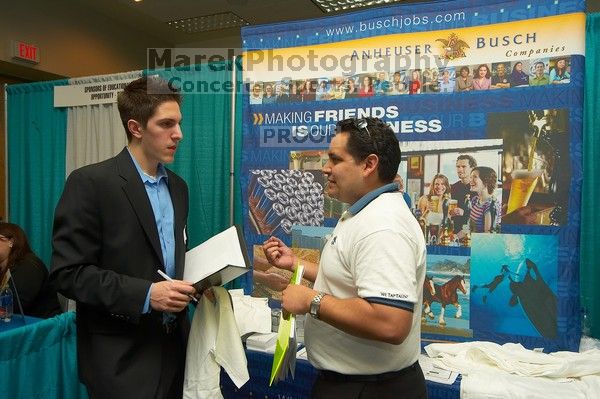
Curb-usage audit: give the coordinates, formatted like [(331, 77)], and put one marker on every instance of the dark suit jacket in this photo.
[(106, 252)]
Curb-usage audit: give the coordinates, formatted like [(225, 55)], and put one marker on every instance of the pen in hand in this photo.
[(166, 277)]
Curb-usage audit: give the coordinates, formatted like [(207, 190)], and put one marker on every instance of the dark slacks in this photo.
[(171, 377), (168, 382), (407, 383)]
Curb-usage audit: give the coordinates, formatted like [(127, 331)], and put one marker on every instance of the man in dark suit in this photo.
[(116, 224)]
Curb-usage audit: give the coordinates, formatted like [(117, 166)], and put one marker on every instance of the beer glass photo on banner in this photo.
[(535, 165)]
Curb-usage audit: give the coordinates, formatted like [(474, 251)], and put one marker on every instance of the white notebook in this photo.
[(218, 260)]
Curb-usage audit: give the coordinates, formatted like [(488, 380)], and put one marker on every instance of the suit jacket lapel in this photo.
[(138, 197)]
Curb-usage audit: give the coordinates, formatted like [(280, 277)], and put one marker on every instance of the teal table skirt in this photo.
[(18, 321), (39, 360)]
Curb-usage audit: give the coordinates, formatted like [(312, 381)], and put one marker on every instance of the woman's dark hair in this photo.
[(488, 176), (20, 246), (514, 70), (559, 71), (487, 70)]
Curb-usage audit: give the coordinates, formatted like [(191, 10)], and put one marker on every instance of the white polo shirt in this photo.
[(376, 252)]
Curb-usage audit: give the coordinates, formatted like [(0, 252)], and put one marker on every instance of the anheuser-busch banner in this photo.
[(471, 88)]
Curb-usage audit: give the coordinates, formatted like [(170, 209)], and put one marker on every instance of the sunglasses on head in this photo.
[(362, 124)]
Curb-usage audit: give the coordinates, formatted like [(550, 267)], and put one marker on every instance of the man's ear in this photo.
[(135, 128), (371, 164)]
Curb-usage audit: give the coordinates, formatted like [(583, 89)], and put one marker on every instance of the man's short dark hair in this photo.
[(379, 140), (140, 98), (472, 161)]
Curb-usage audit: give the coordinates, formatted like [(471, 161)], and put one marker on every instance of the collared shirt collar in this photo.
[(161, 171), (370, 196)]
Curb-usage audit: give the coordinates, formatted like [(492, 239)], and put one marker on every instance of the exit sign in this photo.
[(26, 52)]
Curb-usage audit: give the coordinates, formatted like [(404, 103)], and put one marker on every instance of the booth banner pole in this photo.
[(232, 144)]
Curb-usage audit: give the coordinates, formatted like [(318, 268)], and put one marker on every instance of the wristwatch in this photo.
[(315, 305)]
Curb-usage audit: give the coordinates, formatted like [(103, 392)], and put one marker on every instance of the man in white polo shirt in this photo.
[(364, 333)]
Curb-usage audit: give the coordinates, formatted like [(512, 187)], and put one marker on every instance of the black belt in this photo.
[(333, 376)]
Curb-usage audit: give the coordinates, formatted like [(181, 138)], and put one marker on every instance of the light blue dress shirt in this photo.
[(164, 216)]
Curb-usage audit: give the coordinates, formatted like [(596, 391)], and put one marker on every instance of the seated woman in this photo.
[(483, 185), (28, 272), (432, 202)]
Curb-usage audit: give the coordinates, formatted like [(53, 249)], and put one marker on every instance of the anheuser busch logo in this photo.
[(453, 47)]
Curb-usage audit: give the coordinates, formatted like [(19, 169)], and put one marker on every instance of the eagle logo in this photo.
[(453, 47)]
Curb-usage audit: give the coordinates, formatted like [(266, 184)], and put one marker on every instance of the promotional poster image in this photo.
[(514, 284), (446, 298), (454, 188), (269, 281), (315, 160), (279, 199), (536, 165), (307, 243), (427, 80)]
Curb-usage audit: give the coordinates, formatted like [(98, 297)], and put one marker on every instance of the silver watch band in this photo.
[(315, 305)]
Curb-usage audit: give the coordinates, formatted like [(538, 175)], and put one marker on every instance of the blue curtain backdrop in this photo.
[(36, 160), (590, 233)]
